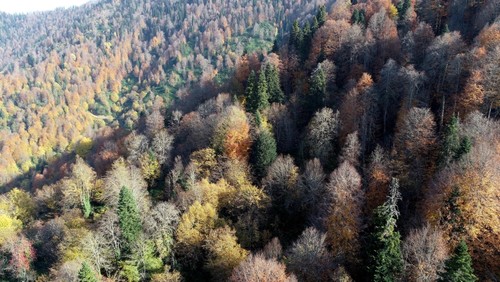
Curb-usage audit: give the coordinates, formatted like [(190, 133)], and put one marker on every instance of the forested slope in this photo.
[(252, 141)]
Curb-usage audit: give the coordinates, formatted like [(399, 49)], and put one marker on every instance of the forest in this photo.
[(242, 141)]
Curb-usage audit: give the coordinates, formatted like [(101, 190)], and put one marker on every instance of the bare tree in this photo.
[(424, 252), (322, 132), (258, 268), (162, 146), (308, 257)]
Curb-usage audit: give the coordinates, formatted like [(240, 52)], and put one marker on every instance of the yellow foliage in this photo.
[(18, 204), (194, 226), (84, 146), (224, 253), (204, 160), (8, 227), (393, 12), (213, 192)]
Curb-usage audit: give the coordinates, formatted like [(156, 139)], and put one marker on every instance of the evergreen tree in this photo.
[(321, 15), (86, 207), (403, 7), (296, 37), (453, 148), (250, 91), (317, 90), (276, 95), (129, 218), (257, 95), (263, 152), (458, 268), (307, 33), (315, 25), (355, 16), (86, 274), (385, 257)]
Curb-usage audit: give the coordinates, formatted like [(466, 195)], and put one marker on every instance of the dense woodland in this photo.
[(264, 140)]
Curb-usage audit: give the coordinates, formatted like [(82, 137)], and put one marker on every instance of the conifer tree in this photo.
[(317, 90), (315, 25), (129, 218), (321, 15), (276, 95), (250, 90), (263, 152), (458, 268), (453, 147), (385, 257), (296, 37), (257, 94), (86, 274)]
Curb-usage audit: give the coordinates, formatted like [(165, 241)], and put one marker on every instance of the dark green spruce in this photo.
[(458, 268)]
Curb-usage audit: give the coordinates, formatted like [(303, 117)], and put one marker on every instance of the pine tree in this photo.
[(458, 268), (263, 152), (250, 91), (307, 34), (321, 15), (86, 274), (315, 25), (385, 257), (453, 148), (129, 218), (296, 38), (276, 95), (403, 7), (317, 90), (355, 16), (257, 95)]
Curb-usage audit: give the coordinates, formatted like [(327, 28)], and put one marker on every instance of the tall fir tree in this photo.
[(258, 99), (453, 147), (129, 219), (321, 15), (296, 37), (317, 90), (86, 274), (250, 91), (385, 260), (263, 152), (458, 268), (276, 95), (403, 7)]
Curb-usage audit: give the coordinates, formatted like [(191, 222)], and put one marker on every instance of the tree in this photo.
[(459, 266), (385, 261), (317, 90), (86, 274), (78, 188), (424, 251), (344, 220), (312, 187), (276, 95), (257, 92), (321, 15), (129, 219), (453, 147), (308, 257), (224, 253), (263, 152), (296, 37), (322, 133), (162, 146), (258, 268), (250, 91), (232, 134)]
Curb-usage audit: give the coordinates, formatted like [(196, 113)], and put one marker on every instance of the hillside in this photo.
[(243, 141), (113, 59)]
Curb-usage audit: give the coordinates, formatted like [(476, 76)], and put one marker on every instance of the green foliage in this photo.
[(129, 219), (317, 90), (385, 257), (276, 95), (321, 15), (403, 7), (130, 272), (358, 17), (453, 147), (263, 152), (296, 37), (458, 268), (257, 96), (86, 274)]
